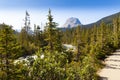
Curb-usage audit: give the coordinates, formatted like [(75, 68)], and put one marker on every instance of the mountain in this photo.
[(106, 20), (72, 22)]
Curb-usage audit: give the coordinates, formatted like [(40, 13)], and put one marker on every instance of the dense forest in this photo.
[(54, 62)]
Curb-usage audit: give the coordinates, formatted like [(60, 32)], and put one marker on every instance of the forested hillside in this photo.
[(53, 61), (108, 20)]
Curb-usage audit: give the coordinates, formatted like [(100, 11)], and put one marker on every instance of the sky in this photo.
[(12, 12)]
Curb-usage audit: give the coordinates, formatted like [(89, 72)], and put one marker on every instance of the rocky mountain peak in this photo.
[(72, 22)]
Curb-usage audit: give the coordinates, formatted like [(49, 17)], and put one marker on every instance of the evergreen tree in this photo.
[(24, 34), (52, 34), (78, 41), (22, 39), (49, 66), (39, 37), (115, 32), (26, 37), (8, 50)]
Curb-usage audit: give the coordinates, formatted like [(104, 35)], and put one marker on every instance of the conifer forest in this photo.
[(46, 57)]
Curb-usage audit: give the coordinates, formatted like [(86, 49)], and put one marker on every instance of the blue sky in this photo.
[(59, 3), (12, 12)]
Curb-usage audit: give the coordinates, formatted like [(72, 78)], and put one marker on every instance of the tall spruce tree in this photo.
[(24, 34), (52, 34)]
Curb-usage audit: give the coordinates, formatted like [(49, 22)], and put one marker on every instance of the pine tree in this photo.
[(39, 37), (24, 34), (25, 37), (52, 34), (101, 35), (115, 32), (7, 51), (27, 22), (78, 41), (22, 39)]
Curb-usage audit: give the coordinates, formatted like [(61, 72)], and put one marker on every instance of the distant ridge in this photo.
[(106, 20)]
